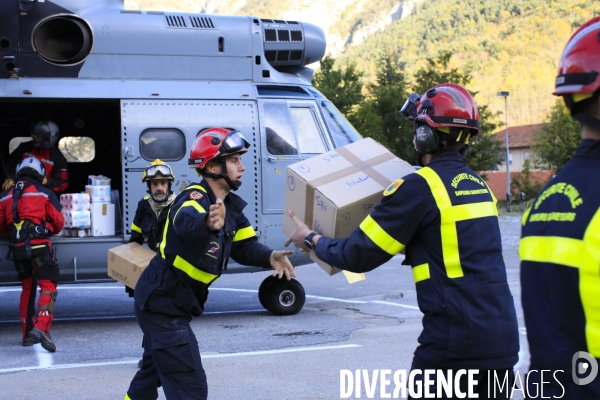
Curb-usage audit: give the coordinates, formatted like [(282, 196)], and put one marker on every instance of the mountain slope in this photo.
[(509, 45), (346, 22)]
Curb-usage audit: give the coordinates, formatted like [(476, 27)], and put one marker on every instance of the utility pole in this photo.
[(508, 196)]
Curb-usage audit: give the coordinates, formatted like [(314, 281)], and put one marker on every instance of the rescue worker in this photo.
[(45, 136), (445, 217), (153, 208), (560, 242), (30, 213), (205, 227)]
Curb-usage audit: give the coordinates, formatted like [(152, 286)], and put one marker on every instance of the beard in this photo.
[(160, 196)]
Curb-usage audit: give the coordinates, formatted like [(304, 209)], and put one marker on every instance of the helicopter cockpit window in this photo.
[(76, 149), (168, 144), (278, 129), (15, 142), (309, 137), (342, 131)]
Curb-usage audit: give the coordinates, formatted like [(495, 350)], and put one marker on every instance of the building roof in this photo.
[(519, 136)]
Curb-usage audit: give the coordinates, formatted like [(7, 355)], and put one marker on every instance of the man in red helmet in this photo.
[(44, 147), (31, 213), (445, 217), (205, 227), (560, 242)]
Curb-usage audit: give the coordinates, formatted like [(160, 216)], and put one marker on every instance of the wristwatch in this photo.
[(308, 240)]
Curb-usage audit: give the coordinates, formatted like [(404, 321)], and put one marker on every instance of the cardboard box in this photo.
[(102, 219), (334, 192), (126, 262)]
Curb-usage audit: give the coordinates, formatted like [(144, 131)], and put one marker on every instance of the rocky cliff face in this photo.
[(346, 22)]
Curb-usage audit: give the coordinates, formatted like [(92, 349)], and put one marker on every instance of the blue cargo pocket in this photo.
[(481, 321), (172, 351)]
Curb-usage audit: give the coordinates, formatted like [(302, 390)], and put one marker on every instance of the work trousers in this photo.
[(43, 272), (171, 359), (491, 384)]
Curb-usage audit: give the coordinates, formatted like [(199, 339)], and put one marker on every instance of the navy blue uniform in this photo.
[(174, 287), (145, 222), (560, 274), (446, 217)]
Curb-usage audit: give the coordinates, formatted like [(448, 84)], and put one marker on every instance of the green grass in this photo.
[(514, 212)]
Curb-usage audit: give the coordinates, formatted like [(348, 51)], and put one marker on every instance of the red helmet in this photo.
[(444, 105), (578, 72), (212, 143)]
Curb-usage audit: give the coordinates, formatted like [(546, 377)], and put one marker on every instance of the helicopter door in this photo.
[(166, 129), (292, 131)]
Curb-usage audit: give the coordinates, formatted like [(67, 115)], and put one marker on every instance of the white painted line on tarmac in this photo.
[(44, 358), (389, 303), (238, 290), (248, 353)]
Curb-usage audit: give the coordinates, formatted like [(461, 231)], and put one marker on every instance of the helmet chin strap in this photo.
[(233, 185), (418, 158)]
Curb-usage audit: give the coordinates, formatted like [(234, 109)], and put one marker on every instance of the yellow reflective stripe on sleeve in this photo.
[(39, 246), (526, 216), (191, 203), (448, 226), (380, 237), (244, 233), (552, 249), (194, 272), (421, 272), (196, 187), (127, 397), (475, 210), (582, 254), (136, 228)]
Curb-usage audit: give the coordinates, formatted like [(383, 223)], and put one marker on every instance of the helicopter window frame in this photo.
[(166, 147), (281, 91)]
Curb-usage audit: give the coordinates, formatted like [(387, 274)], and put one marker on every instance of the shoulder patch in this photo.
[(392, 187), (196, 195)]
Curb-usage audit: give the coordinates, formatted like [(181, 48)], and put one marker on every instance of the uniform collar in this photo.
[(445, 156), (585, 143), (232, 200)]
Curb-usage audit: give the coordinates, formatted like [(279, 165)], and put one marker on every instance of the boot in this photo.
[(29, 340), (43, 338)]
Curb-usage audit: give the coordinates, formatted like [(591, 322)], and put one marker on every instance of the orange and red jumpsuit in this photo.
[(38, 216)]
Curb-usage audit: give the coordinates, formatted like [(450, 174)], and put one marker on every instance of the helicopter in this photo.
[(128, 86)]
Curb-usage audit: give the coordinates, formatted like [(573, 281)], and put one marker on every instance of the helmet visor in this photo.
[(158, 172), (235, 142), (409, 109)]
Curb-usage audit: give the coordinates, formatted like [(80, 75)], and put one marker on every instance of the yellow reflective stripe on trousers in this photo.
[(381, 238), (244, 233), (193, 272), (127, 397), (448, 226), (582, 254), (421, 272), (136, 228)]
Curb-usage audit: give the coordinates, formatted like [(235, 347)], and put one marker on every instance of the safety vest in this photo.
[(581, 254), (450, 215)]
